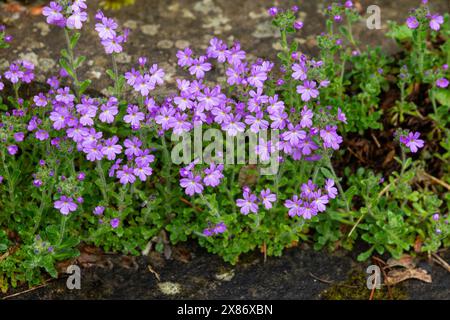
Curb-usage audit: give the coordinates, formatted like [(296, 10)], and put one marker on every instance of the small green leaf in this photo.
[(84, 85), (74, 40)]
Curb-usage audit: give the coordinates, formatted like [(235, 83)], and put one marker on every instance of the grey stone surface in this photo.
[(161, 27)]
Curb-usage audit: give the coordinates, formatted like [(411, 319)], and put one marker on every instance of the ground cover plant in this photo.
[(127, 171)]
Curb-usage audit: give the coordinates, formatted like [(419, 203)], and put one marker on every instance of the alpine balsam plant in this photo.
[(81, 166)]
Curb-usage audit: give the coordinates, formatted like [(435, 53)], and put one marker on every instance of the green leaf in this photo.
[(79, 61), (443, 97), (365, 255), (326, 173), (66, 67), (74, 40), (400, 32), (111, 74), (84, 85)]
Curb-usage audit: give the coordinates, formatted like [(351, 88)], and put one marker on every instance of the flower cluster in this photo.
[(423, 16), (107, 30), (20, 71), (5, 39), (215, 230), (145, 80), (311, 200), (193, 181), (71, 15), (250, 201)]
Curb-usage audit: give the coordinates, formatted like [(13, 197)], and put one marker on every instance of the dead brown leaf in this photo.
[(398, 275), (405, 261), (389, 157)]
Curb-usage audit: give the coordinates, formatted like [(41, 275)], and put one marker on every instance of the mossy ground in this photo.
[(354, 288)]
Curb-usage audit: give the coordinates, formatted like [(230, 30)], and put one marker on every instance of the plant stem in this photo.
[(10, 182), (336, 180), (62, 229), (210, 207), (72, 64), (104, 186), (116, 74)]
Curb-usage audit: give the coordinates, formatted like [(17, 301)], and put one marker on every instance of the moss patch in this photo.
[(354, 288)]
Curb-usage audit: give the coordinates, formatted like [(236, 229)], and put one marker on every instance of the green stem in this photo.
[(210, 207), (11, 186), (104, 186), (72, 64), (62, 228), (116, 80), (336, 180)]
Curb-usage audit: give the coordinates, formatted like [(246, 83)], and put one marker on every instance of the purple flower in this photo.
[(298, 25), (126, 175), (133, 147), (98, 211), (65, 205), (111, 148), (273, 11), (341, 116), (199, 67), (41, 135), (106, 28), (219, 228), (412, 141), (14, 74), (248, 204), (53, 13), (308, 210), (134, 116), (213, 175), (412, 22), (308, 90), (75, 21), (320, 201), (330, 138), (442, 83), (306, 118), (299, 72), (294, 134), (436, 21), (267, 197), (184, 57), (1, 179), (19, 136), (12, 149), (37, 183), (192, 184), (81, 176), (436, 217), (330, 189), (142, 172), (113, 45), (115, 223), (40, 100), (93, 152), (294, 206)]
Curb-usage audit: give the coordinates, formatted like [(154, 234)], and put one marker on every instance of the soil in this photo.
[(192, 273)]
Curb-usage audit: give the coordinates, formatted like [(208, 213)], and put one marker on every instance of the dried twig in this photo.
[(190, 204), (29, 290), (356, 155), (442, 183), (376, 140), (321, 280), (441, 262), (154, 272)]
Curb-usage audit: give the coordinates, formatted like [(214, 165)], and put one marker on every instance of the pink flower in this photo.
[(65, 205)]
